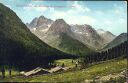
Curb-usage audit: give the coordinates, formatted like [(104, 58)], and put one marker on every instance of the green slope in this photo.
[(73, 46), (118, 40), (18, 46), (105, 69)]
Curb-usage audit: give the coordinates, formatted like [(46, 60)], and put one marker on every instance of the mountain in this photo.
[(60, 36), (118, 40), (106, 35), (59, 26), (39, 25), (19, 47), (41, 22), (100, 31), (87, 35)]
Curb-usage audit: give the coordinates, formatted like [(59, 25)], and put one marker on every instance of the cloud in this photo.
[(82, 20), (117, 11), (58, 15), (110, 17), (99, 12), (70, 18), (108, 22), (73, 15), (122, 21), (51, 9), (32, 7), (80, 8), (88, 20), (41, 9)]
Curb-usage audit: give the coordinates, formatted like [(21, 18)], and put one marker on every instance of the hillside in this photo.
[(85, 34), (106, 71), (106, 35), (118, 40), (19, 47), (88, 36), (73, 46), (59, 36)]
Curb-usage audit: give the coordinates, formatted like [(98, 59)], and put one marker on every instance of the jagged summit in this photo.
[(39, 22), (84, 33), (100, 31), (33, 23), (106, 35), (59, 26), (42, 17), (60, 20), (123, 34), (108, 32)]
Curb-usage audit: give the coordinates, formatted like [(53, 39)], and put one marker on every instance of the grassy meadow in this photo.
[(75, 76)]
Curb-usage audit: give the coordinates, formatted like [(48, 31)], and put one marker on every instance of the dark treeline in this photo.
[(13, 54), (115, 52), (21, 49)]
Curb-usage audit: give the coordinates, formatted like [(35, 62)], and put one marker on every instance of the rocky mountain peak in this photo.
[(86, 25), (41, 21), (60, 21), (108, 32), (59, 26), (123, 34), (42, 18), (100, 31), (33, 23), (106, 35)]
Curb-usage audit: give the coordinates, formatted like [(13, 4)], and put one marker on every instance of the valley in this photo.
[(98, 71), (47, 50)]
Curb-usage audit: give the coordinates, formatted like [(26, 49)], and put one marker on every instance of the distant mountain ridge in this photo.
[(40, 22), (106, 35), (85, 34), (59, 35), (118, 40)]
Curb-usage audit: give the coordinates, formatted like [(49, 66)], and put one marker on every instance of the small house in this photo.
[(37, 71), (56, 69)]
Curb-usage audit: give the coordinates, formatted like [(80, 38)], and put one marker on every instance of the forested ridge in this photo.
[(112, 53), (19, 47)]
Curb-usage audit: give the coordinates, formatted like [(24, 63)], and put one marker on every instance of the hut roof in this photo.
[(35, 71), (55, 69)]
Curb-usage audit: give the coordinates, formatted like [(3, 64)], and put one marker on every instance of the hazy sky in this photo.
[(106, 15)]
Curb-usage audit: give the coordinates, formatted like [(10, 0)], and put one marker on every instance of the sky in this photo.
[(107, 15)]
